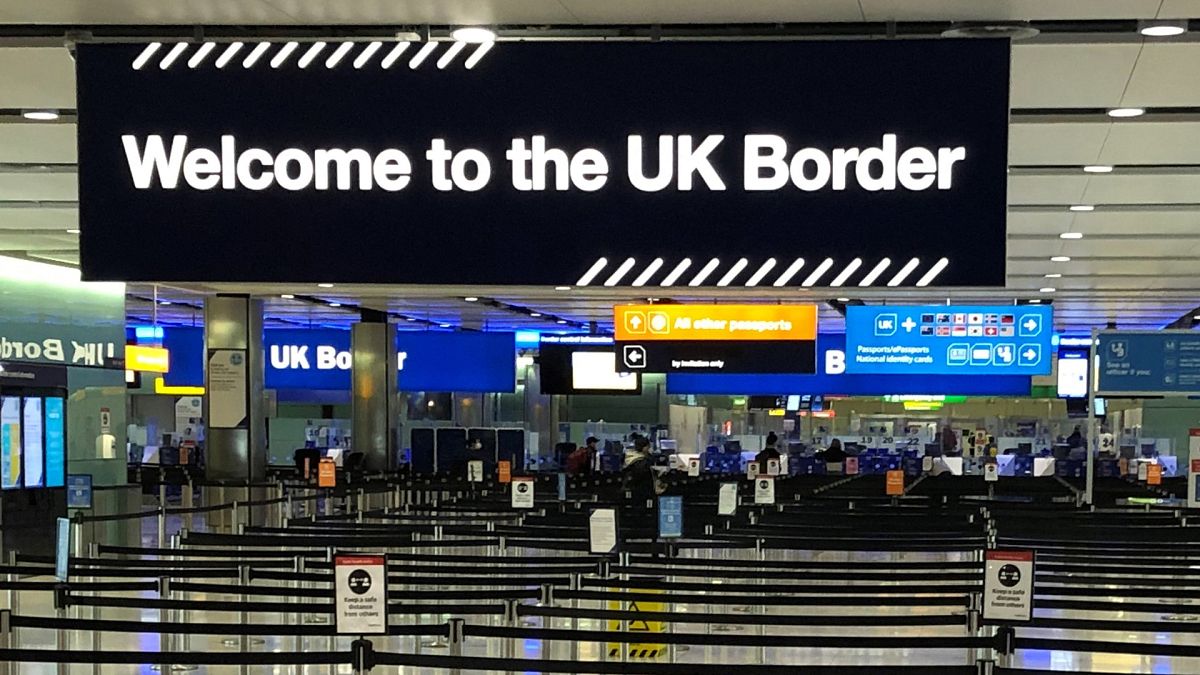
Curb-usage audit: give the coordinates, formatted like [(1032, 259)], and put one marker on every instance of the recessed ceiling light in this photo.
[(40, 115), (1083, 207), (535, 314), (1098, 168), (164, 302), (324, 285), (444, 325), (473, 34), (561, 321), (1035, 301), (1071, 235), (1053, 275), (1126, 112), (562, 288), (471, 299), (409, 318), (1047, 289), (335, 304), (843, 299), (1060, 258), (288, 296), (72, 231), (1162, 28)]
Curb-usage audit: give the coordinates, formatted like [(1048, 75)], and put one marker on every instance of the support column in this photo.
[(374, 401), (236, 438)]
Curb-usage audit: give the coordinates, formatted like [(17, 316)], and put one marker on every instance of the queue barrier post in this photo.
[(455, 627), (363, 656), (94, 611), (513, 620), (546, 597), (6, 639), (62, 600), (162, 515), (1007, 645)]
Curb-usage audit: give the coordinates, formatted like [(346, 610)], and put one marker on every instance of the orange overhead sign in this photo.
[(147, 359), (642, 323)]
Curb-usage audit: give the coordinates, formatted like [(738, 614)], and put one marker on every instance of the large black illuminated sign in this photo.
[(704, 164)]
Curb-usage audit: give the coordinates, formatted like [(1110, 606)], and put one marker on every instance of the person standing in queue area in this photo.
[(768, 453), (949, 440), (637, 474), (580, 461)]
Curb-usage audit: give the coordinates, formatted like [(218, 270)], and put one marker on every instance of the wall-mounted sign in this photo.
[(832, 379), (949, 340), (79, 491), (669, 163), (228, 402), (1151, 363), (300, 358), (147, 359), (716, 338)]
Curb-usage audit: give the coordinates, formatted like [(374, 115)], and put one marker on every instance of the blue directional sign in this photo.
[(1162, 362), (949, 340), (670, 516)]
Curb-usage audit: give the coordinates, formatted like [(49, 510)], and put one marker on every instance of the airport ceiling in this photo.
[(1137, 263)]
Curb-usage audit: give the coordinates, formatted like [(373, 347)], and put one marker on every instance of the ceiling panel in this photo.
[(1122, 189), (31, 142), (33, 219), (51, 186), (1046, 189), (1166, 75), (1070, 75), (1107, 222), (690, 11), (1064, 143), (423, 11), (1153, 142), (142, 12), (973, 10), (36, 77)]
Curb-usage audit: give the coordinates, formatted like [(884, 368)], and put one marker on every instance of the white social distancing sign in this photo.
[(360, 594), (522, 493), (1008, 586), (693, 467), (764, 490), (727, 499)]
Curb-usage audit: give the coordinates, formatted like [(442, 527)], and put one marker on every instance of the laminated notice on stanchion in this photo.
[(504, 471), (751, 470), (851, 466), (1008, 586), (694, 466), (1154, 474), (670, 516), (764, 490), (727, 499), (602, 531), (1143, 472), (475, 471), (522, 493), (991, 472), (772, 467), (327, 473), (895, 483), (360, 594), (62, 549)]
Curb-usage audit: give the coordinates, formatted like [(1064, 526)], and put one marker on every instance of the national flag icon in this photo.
[(943, 331), (991, 331), (975, 331), (1007, 319), (959, 331)]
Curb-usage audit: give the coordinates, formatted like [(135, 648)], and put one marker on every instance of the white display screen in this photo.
[(34, 475), (1072, 378), (598, 371), (10, 441)]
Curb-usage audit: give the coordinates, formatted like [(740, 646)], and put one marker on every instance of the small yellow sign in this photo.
[(639, 651)]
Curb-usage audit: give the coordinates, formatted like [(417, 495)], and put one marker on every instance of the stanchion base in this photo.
[(439, 643), (184, 669), (316, 619), (234, 642), (726, 628)]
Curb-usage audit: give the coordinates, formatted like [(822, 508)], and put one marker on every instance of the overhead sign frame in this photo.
[(930, 156)]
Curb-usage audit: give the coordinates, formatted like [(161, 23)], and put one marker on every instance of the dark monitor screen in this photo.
[(733, 446)]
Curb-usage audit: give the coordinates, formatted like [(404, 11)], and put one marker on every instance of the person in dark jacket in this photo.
[(637, 476), (768, 453), (834, 454)]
